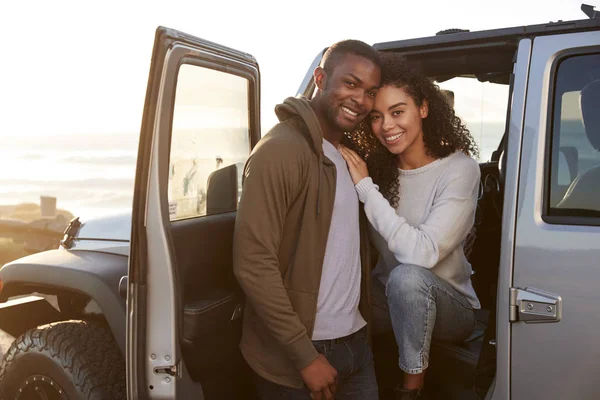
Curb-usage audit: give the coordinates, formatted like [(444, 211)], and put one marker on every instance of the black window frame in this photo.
[(576, 220)]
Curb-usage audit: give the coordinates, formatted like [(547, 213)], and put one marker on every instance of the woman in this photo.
[(420, 202)]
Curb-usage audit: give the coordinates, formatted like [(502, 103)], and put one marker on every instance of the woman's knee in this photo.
[(407, 280)]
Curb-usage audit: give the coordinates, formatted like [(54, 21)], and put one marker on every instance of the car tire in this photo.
[(74, 360)]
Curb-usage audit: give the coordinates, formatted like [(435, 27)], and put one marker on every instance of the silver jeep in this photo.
[(147, 306)]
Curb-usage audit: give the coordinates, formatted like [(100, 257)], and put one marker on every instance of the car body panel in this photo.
[(556, 258), (113, 227), (93, 274), (511, 190)]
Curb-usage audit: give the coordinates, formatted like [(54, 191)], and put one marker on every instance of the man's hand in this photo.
[(357, 167), (321, 378)]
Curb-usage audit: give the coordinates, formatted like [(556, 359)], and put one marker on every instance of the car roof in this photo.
[(505, 35)]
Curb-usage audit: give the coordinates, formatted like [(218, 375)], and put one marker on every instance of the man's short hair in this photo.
[(337, 51)]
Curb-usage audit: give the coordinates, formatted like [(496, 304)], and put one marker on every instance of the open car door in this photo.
[(201, 119)]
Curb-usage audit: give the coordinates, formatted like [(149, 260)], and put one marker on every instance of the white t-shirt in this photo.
[(339, 292)]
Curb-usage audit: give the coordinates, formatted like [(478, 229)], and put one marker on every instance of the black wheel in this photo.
[(70, 360)]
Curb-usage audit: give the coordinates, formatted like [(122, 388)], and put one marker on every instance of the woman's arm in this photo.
[(450, 219)]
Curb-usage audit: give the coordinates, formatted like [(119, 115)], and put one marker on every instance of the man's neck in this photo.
[(333, 138)]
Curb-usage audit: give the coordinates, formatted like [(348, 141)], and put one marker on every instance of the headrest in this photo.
[(590, 110)]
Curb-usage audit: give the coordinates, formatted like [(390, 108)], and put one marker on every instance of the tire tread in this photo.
[(85, 350)]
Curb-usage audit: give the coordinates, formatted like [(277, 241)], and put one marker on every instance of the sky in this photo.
[(78, 67)]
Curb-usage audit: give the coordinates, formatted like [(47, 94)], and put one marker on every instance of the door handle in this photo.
[(532, 305)]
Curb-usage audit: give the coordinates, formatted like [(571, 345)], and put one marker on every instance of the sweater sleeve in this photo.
[(450, 218), (272, 177)]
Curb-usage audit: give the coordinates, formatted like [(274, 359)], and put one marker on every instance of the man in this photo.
[(299, 253)]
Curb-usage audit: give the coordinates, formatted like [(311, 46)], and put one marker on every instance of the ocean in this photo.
[(91, 175)]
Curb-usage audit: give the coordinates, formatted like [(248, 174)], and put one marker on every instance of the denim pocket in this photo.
[(322, 347), (361, 350)]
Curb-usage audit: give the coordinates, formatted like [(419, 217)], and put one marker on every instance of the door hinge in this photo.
[(168, 370), (512, 309), (531, 305)]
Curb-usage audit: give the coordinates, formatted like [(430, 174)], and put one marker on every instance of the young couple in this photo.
[(302, 236)]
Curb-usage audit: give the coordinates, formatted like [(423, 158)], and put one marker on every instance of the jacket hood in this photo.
[(300, 106)]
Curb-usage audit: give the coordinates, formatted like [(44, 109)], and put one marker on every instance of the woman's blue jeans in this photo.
[(418, 305)]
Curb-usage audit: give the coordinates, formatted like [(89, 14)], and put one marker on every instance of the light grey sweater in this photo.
[(435, 213)]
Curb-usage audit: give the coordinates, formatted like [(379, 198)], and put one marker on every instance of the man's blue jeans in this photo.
[(419, 305), (353, 361)]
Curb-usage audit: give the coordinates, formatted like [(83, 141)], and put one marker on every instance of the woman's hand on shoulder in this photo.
[(356, 165)]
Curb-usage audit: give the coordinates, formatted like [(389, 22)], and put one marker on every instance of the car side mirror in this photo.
[(222, 190)]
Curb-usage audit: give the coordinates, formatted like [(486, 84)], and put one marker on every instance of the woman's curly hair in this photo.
[(443, 132)]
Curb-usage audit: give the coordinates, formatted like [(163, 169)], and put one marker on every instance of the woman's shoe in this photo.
[(407, 394)]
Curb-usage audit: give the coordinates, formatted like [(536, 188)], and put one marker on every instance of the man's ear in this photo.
[(424, 109), (320, 76)]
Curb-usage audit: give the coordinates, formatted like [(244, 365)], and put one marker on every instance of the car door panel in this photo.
[(557, 258), (180, 264)]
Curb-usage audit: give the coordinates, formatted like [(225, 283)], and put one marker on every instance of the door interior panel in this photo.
[(203, 249), (212, 305)]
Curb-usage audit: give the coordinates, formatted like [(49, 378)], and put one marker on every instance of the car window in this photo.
[(209, 142), (574, 152), (482, 107)]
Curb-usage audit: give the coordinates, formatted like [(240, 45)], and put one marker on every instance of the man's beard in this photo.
[(331, 115)]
